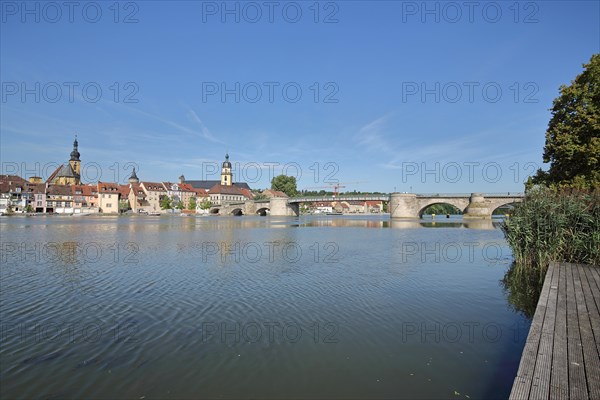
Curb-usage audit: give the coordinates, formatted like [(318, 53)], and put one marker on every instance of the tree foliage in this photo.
[(285, 184), (124, 205), (192, 204), (573, 137), (205, 204), (441, 208), (165, 203)]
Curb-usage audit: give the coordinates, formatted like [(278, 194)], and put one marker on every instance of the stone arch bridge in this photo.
[(473, 205), (401, 205)]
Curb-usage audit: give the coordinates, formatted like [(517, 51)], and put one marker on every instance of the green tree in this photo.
[(441, 208), (165, 203), (206, 204), (260, 196), (573, 137), (28, 208), (285, 184), (192, 204), (180, 205), (124, 205)]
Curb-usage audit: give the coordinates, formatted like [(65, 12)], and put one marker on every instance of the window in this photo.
[(109, 205), (39, 203)]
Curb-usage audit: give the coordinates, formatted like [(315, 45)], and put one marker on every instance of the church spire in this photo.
[(75, 153), (133, 178)]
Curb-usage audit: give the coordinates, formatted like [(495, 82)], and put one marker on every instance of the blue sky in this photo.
[(406, 96)]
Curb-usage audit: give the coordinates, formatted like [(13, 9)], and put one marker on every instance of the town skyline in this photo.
[(383, 117)]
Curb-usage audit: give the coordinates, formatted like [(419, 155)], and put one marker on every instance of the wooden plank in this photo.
[(595, 272), (577, 379), (540, 388), (594, 286), (561, 358), (524, 379), (559, 379), (594, 311), (586, 307)]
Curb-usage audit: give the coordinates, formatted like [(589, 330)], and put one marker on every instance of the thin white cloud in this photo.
[(204, 131), (372, 137)]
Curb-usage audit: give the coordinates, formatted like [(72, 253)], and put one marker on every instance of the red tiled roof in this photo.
[(38, 188), (60, 190), (53, 175), (9, 182), (186, 187), (90, 191), (108, 187), (200, 192), (12, 178), (224, 189), (274, 193), (138, 190), (124, 190), (248, 193), (153, 186)]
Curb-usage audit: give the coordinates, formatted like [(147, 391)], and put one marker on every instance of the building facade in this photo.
[(155, 191), (108, 197)]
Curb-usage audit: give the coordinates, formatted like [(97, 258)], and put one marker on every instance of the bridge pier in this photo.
[(250, 207), (478, 207), (404, 205), (279, 207)]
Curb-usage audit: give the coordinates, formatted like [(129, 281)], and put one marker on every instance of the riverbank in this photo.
[(554, 226)]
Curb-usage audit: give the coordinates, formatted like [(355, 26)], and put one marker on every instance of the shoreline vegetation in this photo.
[(554, 225), (549, 225)]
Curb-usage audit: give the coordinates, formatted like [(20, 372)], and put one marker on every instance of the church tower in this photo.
[(133, 178), (68, 174), (75, 162), (226, 177)]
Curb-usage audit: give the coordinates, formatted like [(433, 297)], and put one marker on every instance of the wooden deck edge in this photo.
[(555, 298)]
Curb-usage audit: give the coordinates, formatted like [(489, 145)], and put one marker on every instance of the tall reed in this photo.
[(554, 225)]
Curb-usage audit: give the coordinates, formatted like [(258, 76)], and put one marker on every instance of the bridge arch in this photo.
[(237, 212), (423, 209), (214, 210), (263, 211), (500, 204), (459, 203)]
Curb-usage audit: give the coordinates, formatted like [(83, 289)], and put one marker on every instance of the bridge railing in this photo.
[(386, 197), (307, 199), (462, 195)]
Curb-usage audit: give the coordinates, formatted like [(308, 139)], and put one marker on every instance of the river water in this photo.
[(247, 307)]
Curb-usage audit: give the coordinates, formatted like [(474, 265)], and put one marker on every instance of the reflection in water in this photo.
[(522, 287), (386, 222), (134, 224), (163, 307)]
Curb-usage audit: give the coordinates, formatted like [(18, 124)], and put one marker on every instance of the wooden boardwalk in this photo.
[(561, 359)]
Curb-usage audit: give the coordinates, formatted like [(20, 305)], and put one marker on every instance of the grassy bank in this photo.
[(554, 226)]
